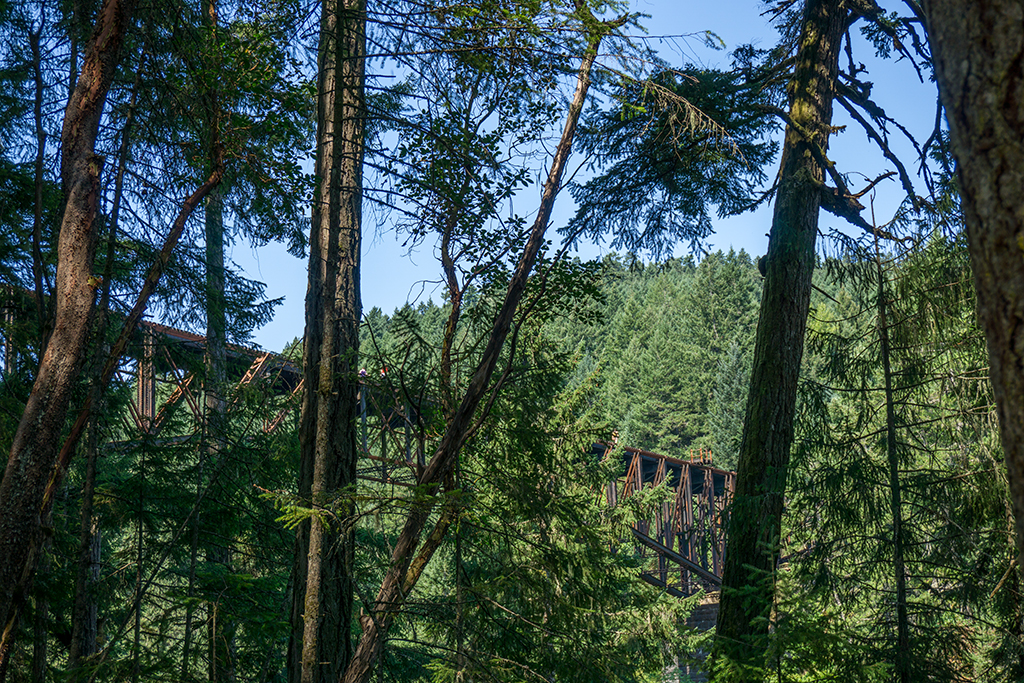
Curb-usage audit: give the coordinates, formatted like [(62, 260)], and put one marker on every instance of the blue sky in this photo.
[(392, 275)]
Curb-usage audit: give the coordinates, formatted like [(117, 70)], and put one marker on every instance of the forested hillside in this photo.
[(662, 350), (660, 354), (446, 492)]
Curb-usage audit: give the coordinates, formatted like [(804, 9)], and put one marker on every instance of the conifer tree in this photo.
[(321, 611), (894, 493)]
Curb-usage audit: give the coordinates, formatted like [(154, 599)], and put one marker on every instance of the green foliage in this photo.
[(189, 528), (679, 143), (728, 406), (661, 351), (946, 479), (534, 577)]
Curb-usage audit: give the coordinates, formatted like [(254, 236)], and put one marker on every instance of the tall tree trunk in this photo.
[(85, 612), (219, 627), (37, 441), (139, 557), (756, 517), (37, 219), (978, 51), (41, 622), (186, 640), (327, 431), (410, 556), (902, 650)]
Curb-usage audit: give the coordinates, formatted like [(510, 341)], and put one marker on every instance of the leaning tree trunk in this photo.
[(410, 556), (756, 517), (978, 50), (37, 441), (322, 587), (85, 613)]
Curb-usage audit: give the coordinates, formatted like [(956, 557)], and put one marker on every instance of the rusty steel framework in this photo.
[(167, 363), (683, 541), (165, 366)]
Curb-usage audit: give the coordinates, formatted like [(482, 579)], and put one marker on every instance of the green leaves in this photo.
[(842, 524), (674, 146)]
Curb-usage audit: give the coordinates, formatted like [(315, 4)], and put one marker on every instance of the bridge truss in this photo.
[(682, 543)]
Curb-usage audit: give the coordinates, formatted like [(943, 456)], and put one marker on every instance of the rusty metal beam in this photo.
[(677, 558)]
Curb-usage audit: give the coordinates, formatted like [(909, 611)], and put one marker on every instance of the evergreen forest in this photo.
[(672, 462)]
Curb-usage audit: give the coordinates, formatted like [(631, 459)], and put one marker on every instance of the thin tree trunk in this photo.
[(401, 577), (37, 220), (37, 441), (220, 628), (40, 623), (323, 579), (186, 656), (460, 598), (902, 652), (978, 51), (76, 20), (137, 641), (84, 612), (755, 521)]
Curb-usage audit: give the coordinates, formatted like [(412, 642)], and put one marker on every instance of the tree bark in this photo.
[(978, 51), (756, 516), (41, 622), (37, 220), (220, 628), (85, 610), (328, 424), (36, 442)]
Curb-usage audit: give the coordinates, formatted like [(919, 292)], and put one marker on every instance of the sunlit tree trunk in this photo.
[(322, 598), (755, 521)]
